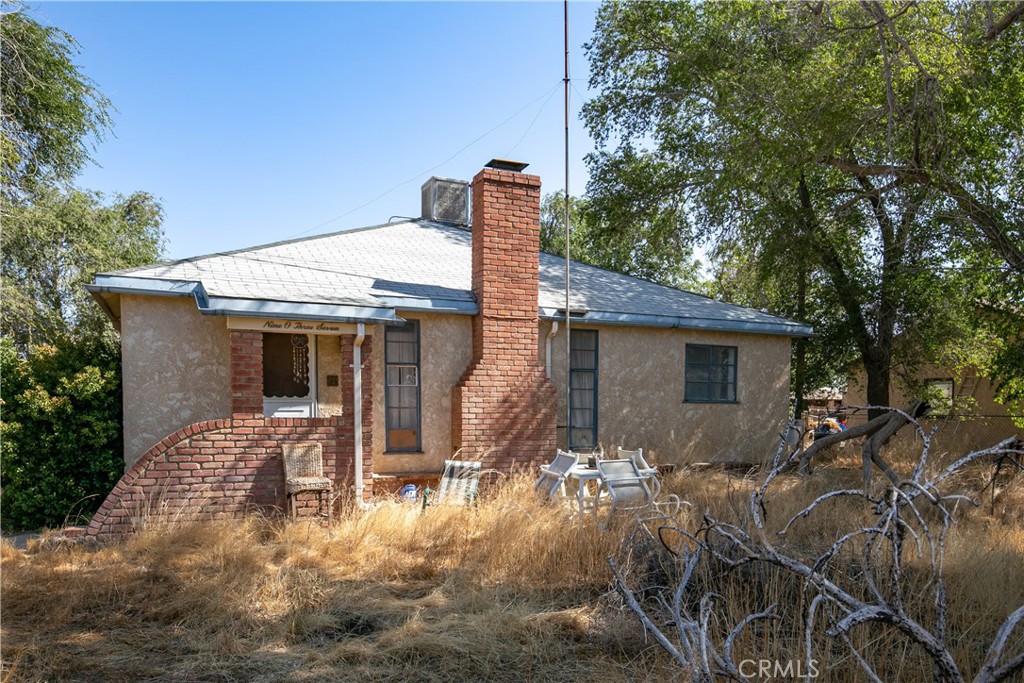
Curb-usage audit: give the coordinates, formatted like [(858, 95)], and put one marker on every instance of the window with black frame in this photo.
[(583, 389), (710, 373), (402, 386)]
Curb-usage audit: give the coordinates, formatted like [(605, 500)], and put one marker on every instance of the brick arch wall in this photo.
[(219, 468)]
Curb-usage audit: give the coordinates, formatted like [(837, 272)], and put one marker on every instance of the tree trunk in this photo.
[(877, 370)]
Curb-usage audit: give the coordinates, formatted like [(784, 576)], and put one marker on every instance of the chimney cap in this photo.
[(506, 165)]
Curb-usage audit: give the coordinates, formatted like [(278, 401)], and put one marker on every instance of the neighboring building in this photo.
[(964, 414), (400, 344), (823, 401)]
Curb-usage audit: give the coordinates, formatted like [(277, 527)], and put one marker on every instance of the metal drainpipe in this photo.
[(547, 343), (357, 408)]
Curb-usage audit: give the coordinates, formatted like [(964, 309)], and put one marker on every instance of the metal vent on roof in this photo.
[(446, 200)]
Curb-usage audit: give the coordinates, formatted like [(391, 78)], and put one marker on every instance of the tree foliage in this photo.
[(49, 108), (60, 438), (649, 251), (878, 148), (54, 245)]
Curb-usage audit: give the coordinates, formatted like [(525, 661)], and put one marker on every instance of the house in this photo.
[(399, 344)]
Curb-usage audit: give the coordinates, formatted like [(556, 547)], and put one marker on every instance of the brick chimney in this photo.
[(504, 407)]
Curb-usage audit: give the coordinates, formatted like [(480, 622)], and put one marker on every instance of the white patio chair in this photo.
[(622, 489), (646, 470), (551, 483)]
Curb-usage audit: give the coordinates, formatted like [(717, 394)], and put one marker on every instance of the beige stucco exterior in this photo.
[(973, 394), (641, 374), (177, 369), (330, 401), (446, 348), (640, 393)]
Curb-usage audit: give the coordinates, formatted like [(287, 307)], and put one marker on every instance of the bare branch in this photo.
[(995, 651), (631, 601), (821, 499)]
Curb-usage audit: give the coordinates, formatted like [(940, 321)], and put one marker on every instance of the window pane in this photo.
[(697, 373), (722, 355), (583, 360), (697, 354), (582, 380), (403, 375), (697, 391), (584, 340)]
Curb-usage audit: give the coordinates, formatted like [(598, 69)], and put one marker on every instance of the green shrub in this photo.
[(60, 431)]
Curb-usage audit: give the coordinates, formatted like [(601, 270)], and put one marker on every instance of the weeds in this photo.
[(510, 590)]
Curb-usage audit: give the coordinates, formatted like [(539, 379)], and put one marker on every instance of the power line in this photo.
[(547, 93)]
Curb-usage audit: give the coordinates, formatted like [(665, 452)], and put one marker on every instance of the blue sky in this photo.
[(254, 122)]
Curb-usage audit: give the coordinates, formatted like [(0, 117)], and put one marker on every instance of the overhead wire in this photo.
[(547, 94)]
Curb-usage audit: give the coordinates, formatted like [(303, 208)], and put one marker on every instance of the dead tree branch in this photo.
[(912, 517)]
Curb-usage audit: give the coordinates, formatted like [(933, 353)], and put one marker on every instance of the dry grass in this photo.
[(984, 567), (506, 592), (510, 591)]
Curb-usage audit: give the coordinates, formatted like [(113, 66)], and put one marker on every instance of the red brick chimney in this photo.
[(504, 407)]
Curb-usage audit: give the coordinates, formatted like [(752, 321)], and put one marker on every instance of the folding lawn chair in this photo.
[(460, 482), (646, 470)]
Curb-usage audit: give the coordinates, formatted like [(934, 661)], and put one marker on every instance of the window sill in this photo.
[(715, 403), (404, 453)]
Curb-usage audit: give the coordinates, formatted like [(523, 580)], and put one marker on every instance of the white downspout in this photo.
[(357, 408), (547, 345)]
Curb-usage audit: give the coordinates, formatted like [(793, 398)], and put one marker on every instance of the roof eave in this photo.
[(782, 328), (227, 306)]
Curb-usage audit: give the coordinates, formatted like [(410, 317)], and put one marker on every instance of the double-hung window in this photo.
[(710, 373), (583, 389), (402, 386)]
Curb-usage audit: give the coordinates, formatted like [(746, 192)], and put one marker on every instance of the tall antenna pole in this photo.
[(568, 324)]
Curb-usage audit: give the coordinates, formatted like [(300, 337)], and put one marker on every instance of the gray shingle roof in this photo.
[(367, 274)]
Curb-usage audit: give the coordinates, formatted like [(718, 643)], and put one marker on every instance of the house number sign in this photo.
[(292, 326)]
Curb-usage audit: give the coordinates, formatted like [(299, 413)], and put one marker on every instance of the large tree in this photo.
[(650, 251), (60, 437), (885, 138), (50, 111)]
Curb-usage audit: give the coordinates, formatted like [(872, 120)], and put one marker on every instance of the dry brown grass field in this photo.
[(508, 591)]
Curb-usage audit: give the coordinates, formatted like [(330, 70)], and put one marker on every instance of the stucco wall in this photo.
[(445, 351), (974, 394), (641, 394), (177, 369), (330, 401)]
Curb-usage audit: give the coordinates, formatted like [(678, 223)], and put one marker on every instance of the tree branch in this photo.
[(1013, 15)]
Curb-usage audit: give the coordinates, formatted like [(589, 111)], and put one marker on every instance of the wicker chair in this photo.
[(304, 471)]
